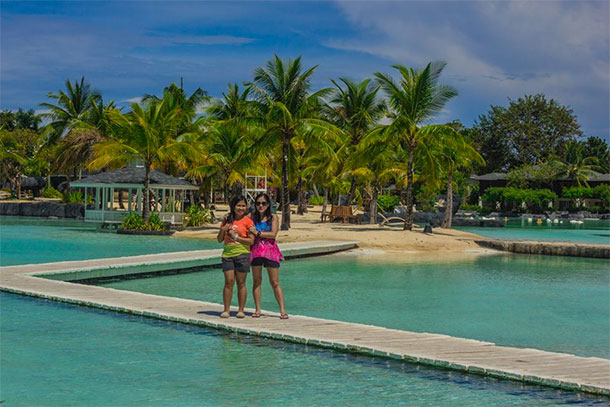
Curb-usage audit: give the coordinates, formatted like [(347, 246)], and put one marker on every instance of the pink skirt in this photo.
[(266, 248)]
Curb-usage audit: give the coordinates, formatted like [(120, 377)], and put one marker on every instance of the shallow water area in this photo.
[(66, 355), (27, 240), (542, 302), (583, 231)]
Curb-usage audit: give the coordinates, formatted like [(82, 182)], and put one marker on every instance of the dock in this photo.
[(53, 281)]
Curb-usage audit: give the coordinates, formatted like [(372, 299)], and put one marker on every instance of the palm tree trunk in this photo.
[(315, 190), (302, 208), (120, 194), (285, 192), (67, 191), (146, 204), (18, 184), (409, 218), (352, 190), (373, 205), (449, 203), (226, 188)]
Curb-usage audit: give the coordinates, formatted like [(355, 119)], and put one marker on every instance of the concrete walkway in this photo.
[(527, 365)]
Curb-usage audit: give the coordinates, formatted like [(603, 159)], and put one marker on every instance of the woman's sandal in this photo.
[(225, 315), (284, 316), (240, 314), (256, 314)]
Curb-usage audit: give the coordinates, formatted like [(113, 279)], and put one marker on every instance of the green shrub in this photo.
[(597, 209), (467, 207), (198, 216), (536, 200), (316, 200), (577, 192), (602, 192), (387, 202), (74, 197), (51, 192), (133, 221), (155, 223)]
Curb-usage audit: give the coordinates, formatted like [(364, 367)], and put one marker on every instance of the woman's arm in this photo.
[(222, 231), (245, 240), (274, 229)]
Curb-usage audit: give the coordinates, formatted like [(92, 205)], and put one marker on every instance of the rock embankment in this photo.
[(549, 248), (43, 209)]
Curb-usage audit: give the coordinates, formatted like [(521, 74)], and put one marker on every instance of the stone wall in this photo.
[(549, 248), (43, 209)]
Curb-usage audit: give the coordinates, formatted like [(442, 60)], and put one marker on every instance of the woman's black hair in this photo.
[(234, 201), (256, 216)]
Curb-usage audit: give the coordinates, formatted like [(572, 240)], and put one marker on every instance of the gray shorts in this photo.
[(239, 263)]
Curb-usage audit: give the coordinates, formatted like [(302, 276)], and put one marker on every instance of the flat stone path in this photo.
[(587, 374)]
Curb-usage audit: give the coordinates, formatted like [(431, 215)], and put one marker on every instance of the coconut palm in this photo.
[(147, 134), (226, 150), (233, 104), (376, 164), (414, 100), (574, 165), (452, 152), (354, 109), (286, 109), (72, 106)]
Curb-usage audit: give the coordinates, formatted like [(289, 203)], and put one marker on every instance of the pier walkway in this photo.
[(587, 374)]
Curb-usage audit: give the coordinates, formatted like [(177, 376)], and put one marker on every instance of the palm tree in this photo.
[(575, 166), (71, 106), (227, 150), (376, 163), (415, 99), (233, 104), (355, 109), (453, 151), (146, 134), (286, 109)]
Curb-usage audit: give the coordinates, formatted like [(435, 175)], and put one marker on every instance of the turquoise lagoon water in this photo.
[(56, 354), (36, 240), (590, 231), (558, 304)]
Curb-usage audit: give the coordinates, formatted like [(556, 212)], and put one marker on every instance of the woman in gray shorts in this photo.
[(234, 231)]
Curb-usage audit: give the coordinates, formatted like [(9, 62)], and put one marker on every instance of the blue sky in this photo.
[(494, 49)]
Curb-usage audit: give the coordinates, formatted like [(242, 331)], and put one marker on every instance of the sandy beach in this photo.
[(372, 239)]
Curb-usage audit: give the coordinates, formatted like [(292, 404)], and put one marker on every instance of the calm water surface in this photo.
[(590, 231), (36, 240), (559, 304), (60, 355)]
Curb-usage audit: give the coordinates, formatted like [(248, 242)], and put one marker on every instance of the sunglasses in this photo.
[(262, 203)]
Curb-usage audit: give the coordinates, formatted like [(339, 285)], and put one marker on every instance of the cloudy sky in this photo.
[(495, 50)]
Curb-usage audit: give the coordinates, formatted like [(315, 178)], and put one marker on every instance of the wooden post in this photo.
[(129, 197)]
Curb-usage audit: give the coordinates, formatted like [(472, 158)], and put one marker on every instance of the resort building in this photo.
[(112, 195)]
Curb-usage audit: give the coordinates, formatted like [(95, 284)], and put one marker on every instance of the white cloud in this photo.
[(496, 49)]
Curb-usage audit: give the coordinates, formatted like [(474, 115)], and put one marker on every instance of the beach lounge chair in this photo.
[(385, 221)]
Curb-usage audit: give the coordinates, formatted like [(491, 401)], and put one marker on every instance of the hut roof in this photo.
[(134, 176)]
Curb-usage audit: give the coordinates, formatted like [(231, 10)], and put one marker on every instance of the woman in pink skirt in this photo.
[(265, 253)]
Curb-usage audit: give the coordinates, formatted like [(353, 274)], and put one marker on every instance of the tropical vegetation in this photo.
[(349, 143)]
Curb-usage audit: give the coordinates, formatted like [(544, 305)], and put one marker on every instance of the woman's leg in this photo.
[(274, 280), (242, 294), (227, 292), (257, 279)]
